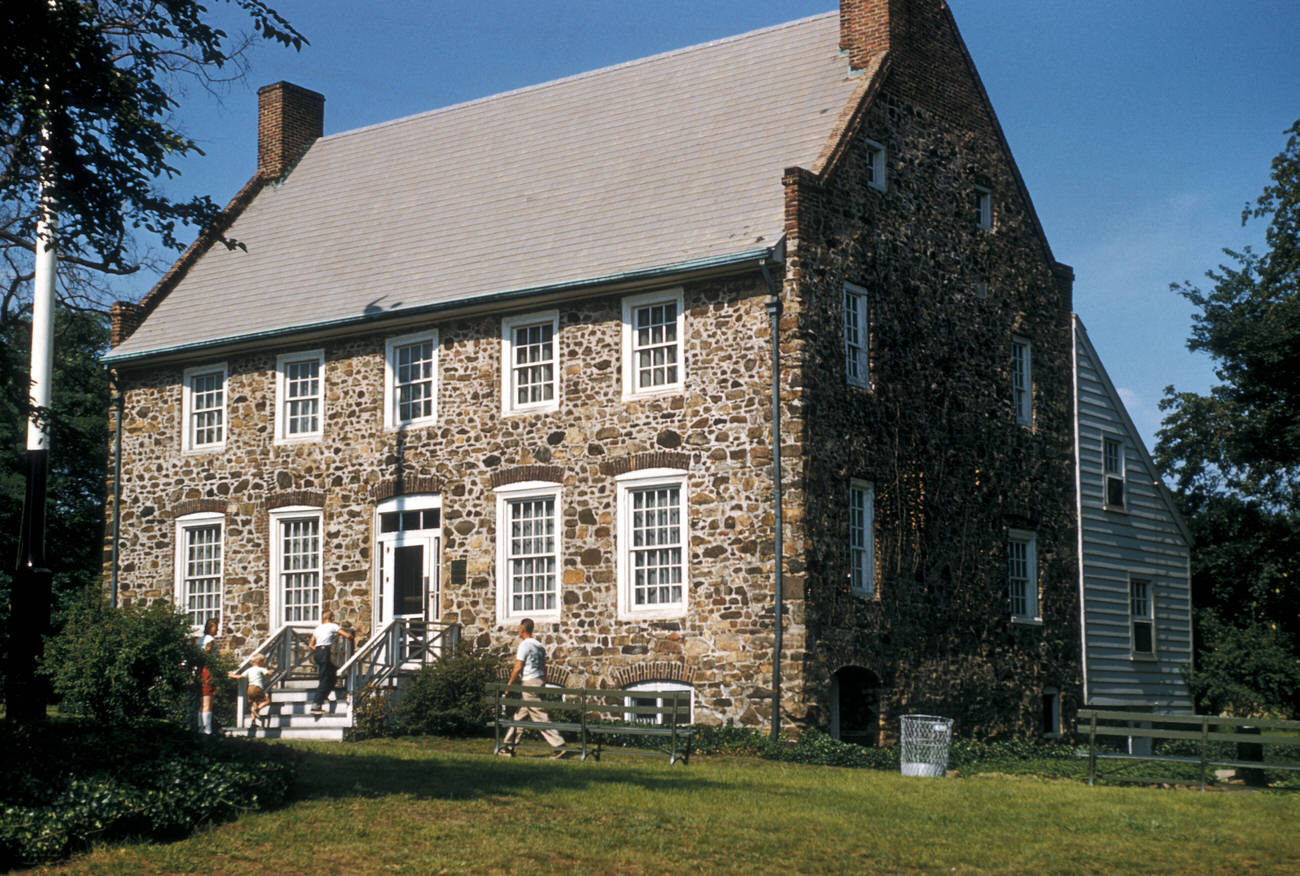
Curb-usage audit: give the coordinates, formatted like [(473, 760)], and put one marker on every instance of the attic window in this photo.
[(875, 165), (1113, 462), (983, 206)]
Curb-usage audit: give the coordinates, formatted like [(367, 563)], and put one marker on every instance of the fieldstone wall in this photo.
[(936, 432), (717, 429)]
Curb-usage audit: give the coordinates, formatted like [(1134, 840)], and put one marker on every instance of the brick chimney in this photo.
[(869, 27), (289, 119)]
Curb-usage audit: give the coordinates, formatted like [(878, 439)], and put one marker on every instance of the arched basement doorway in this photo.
[(855, 706)]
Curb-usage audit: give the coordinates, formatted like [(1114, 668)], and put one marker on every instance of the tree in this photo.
[(1234, 455), (86, 103)]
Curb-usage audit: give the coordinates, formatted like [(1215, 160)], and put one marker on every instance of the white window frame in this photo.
[(277, 519), (856, 324), (650, 687), (1118, 472), (876, 164), (631, 304), (189, 412), (506, 497), (862, 538), (1030, 582), (282, 400), (392, 407), (510, 369), (627, 486), (983, 208), (1141, 610), (1022, 384), (185, 525)]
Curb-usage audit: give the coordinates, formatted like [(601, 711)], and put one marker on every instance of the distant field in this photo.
[(431, 806)]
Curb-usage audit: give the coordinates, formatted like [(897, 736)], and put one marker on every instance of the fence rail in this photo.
[(1200, 729)]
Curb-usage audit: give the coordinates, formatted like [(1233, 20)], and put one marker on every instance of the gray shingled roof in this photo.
[(668, 160)]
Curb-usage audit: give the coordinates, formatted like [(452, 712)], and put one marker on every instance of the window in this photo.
[(1022, 575), (862, 539), (1112, 456), (300, 388), (411, 380), (528, 552), (198, 566), (875, 165), (856, 336), (652, 344), (295, 565), (530, 362), (1051, 712), (649, 700), (1143, 616), (983, 208), (652, 544), (1022, 387), (203, 407)]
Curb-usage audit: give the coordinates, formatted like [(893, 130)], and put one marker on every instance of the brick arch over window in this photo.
[(652, 670), (405, 487), (556, 675), (649, 459), (310, 498), (551, 474), (199, 506)]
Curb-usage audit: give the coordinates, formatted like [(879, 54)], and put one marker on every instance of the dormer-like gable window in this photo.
[(983, 207), (875, 165)]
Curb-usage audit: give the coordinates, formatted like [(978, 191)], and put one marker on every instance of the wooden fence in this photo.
[(1201, 730)]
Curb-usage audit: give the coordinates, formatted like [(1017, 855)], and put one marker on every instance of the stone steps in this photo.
[(289, 717)]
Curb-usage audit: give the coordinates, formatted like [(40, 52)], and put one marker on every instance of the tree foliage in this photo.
[(1234, 455), (87, 95)]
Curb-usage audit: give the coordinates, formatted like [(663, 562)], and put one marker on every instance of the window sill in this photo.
[(413, 424), (1027, 621), (652, 394), (512, 620), (524, 412), (673, 613), (1143, 656), (866, 595), (1115, 509), (299, 439), (204, 450)]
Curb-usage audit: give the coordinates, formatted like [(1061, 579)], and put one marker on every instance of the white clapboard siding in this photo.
[(1146, 540)]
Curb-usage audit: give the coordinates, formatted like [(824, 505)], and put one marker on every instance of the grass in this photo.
[(433, 806)]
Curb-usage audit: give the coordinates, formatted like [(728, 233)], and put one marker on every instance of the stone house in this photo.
[(516, 357)]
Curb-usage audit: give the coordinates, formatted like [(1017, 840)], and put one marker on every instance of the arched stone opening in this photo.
[(855, 706)]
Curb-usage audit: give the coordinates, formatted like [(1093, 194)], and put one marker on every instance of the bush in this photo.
[(448, 698), (121, 665), (72, 783)]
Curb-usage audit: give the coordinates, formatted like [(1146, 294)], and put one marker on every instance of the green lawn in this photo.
[(430, 806)]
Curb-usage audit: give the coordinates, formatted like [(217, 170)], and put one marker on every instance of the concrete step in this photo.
[(334, 734)]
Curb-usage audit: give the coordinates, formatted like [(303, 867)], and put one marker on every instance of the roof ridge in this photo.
[(587, 74)]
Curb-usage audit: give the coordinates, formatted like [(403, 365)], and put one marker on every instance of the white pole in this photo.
[(42, 366)]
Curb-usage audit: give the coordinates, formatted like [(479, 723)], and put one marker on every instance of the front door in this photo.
[(408, 578)]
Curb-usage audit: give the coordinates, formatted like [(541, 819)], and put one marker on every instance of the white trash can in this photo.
[(924, 748)]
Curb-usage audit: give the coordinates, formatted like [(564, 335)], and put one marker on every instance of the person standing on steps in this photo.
[(530, 668), (321, 643)]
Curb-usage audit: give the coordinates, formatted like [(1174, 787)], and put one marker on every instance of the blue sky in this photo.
[(1141, 127)]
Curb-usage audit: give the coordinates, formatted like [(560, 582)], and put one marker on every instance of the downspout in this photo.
[(774, 316), (119, 403)]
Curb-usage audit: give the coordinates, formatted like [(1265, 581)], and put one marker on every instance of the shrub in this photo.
[(120, 665), (73, 782), (372, 713), (448, 698)]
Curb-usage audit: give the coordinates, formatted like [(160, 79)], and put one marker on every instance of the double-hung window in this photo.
[(199, 566), (1142, 614), (875, 165), (649, 695), (528, 552), (862, 539), (203, 408), (295, 565), (653, 352), (411, 380), (530, 362), (856, 335), (1022, 574), (300, 396), (652, 544), (1022, 386), (1112, 457)]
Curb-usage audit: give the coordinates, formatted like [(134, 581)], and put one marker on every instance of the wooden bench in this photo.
[(596, 715)]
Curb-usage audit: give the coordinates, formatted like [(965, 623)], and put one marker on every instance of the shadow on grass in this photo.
[(462, 776)]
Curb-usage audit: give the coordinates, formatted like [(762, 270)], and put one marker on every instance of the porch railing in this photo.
[(401, 645)]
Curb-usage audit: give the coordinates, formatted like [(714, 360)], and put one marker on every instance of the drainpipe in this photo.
[(119, 404), (774, 315)]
